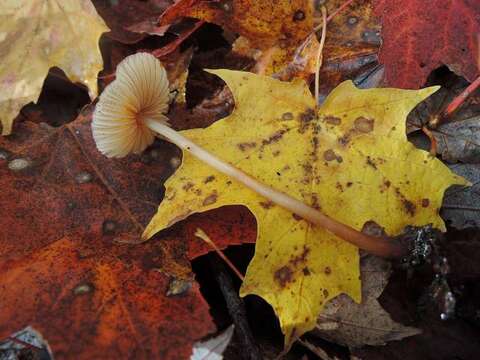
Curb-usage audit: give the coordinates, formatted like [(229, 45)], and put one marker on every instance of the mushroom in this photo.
[(131, 112)]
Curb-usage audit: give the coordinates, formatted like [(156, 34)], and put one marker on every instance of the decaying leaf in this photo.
[(29, 339), (351, 47), (131, 20), (461, 206), (352, 161), (38, 35), (419, 36), (270, 30), (71, 271), (212, 349), (459, 140), (354, 325)]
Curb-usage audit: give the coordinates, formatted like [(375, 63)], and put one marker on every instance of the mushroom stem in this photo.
[(384, 247)]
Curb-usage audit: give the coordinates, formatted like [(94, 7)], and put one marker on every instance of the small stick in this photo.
[(319, 58), (23, 343), (460, 99), (433, 141), (201, 234), (333, 14), (236, 309), (340, 9)]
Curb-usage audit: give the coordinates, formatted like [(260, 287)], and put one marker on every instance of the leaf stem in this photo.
[(384, 247), (319, 57)]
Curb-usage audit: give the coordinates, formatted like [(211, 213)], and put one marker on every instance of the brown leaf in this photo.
[(345, 322), (131, 20)]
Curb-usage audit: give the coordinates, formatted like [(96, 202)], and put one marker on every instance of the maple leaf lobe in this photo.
[(362, 135)]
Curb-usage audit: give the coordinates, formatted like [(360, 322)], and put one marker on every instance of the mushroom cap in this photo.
[(139, 92)]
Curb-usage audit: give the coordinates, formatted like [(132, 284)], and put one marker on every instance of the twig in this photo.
[(340, 9), (460, 99), (333, 14), (201, 234), (315, 349), (236, 309), (319, 57), (433, 141), (23, 343)]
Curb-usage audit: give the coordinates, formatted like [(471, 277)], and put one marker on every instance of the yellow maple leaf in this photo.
[(36, 35), (352, 161)]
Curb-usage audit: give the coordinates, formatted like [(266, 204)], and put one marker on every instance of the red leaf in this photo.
[(65, 208), (419, 36)]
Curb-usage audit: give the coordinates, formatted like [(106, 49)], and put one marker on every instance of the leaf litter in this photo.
[(17, 158)]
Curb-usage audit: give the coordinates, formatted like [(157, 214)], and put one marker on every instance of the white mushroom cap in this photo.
[(139, 92)]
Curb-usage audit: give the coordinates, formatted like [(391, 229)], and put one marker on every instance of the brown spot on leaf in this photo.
[(409, 207), (274, 138), (305, 119), (283, 276), (327, 270), (187, 186), (325, 293), (209, 179), (339, 186), (210, 199), (425, 203), (247, 145), (287, 116), (371, 163), (333, 120), (344, 140), (301, 258), (349, 184), (363, 124), (297, 217), (315, 203), (329, 155), (306, 271), (266, 204)]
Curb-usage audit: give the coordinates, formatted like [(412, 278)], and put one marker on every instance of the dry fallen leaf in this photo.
[(270, 30), (353, 162), (66, 268), (420, 36), (212, 349), (37, 35), (354, 325)]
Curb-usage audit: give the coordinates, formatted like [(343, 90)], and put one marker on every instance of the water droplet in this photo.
[(83, 177), (109, 227), (83, 289), (352, 20), (299, 15), (4, 154), (443, 316), (19, 164)]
